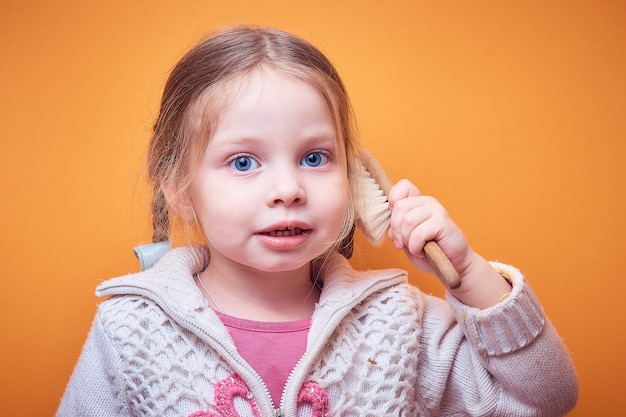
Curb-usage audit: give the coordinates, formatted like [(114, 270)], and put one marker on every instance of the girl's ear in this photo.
[(179, 202)]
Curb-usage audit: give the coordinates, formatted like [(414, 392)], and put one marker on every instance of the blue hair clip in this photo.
[(150, 253)]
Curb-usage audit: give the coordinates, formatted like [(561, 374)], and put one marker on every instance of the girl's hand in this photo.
[(417, 219)]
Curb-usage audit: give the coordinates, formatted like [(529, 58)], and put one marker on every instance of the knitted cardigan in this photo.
[(377, 347)]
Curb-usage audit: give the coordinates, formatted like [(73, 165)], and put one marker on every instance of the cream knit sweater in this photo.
[(377, 347)]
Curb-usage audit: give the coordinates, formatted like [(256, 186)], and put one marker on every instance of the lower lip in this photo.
[(282, 242)]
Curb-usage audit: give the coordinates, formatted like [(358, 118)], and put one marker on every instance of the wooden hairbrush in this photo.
[(373, 216)]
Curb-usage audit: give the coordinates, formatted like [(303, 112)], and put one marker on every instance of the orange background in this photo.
[(511, 113)]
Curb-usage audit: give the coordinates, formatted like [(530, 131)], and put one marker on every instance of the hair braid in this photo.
[(160, 216)]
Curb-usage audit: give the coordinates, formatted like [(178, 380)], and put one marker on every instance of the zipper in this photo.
[(243, 368), (329, 326)]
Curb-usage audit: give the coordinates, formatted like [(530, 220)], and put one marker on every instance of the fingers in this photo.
[(402, 190), (415, 219)]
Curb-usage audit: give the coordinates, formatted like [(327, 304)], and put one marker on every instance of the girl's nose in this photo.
[(286, 188)]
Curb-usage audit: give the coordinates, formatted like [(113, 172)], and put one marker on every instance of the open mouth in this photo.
[(291, 231)]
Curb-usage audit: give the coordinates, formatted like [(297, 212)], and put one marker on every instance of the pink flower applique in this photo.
[(226, 391), (233, 386), (313, 394)]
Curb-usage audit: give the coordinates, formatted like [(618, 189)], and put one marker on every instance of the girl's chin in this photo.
[(282, 263), (272, 255)]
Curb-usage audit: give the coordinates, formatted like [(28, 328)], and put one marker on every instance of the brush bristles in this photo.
[(372, 207)]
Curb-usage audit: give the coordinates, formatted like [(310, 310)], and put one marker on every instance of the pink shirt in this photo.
[(272, 349)]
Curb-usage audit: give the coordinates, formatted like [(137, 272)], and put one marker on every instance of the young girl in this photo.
[(264, 316)]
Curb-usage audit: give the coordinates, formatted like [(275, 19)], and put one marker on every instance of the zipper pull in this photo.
[(278, 412)]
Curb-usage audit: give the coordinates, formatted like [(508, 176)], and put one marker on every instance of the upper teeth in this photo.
[(291, 231)]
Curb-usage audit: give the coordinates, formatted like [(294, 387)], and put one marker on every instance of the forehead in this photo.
[(220, 96), (272, 94), (278, 112), (217, 100)]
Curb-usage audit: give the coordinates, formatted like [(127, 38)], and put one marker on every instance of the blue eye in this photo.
[(314, 159), (243, 163)]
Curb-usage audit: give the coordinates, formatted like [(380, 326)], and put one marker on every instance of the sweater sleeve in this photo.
[(508, 359), (94, 390)]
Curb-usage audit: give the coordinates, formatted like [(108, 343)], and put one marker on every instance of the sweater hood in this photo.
[(169, 282)]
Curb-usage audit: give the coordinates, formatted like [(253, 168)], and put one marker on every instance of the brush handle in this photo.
[(444, 269)]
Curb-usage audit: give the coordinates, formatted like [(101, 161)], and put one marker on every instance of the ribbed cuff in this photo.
[(509, 325)]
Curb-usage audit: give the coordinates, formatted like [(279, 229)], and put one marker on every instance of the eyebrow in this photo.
[(321, 136)]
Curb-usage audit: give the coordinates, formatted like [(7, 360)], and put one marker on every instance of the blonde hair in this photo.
[(195, 91)]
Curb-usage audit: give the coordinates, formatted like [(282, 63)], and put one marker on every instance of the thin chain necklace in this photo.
[(208, 294)]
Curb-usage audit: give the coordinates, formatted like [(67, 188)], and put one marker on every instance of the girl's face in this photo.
[(270, 191)]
